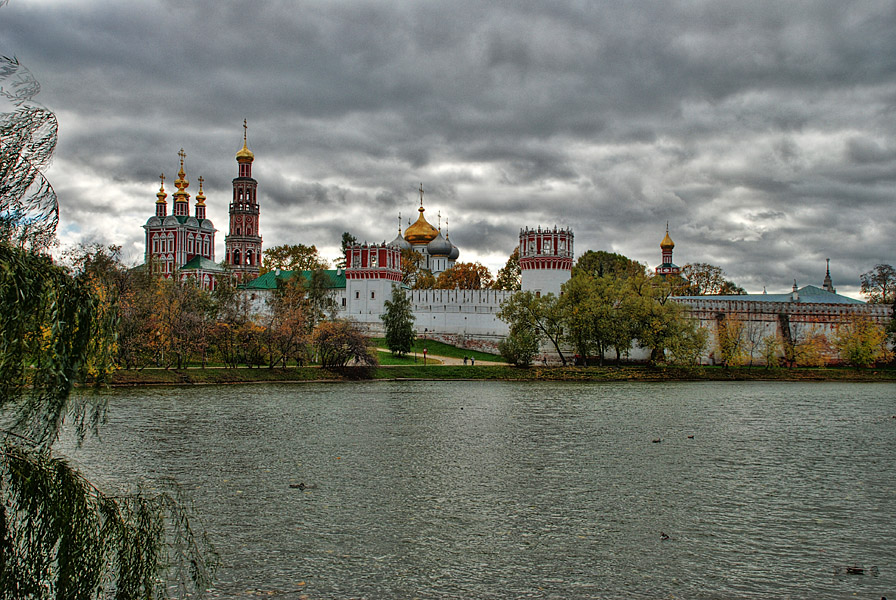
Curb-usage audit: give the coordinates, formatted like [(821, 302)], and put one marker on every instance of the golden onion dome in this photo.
[(161, 195), (667, 243), (245, 155), (420, 232), (200, 197)]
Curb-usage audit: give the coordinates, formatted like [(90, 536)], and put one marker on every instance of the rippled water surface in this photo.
[(524, 490)]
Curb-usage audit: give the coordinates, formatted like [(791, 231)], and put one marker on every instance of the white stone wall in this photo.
[(762, 319), (365, 298), (544, 281), (463, 312)]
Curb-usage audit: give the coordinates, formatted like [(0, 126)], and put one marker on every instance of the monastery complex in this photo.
[(183, 247)]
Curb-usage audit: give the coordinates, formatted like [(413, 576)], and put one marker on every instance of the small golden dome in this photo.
[(245, 155), (667, 243), (161, 195), (181, 182), (200, 197), (420, 232)]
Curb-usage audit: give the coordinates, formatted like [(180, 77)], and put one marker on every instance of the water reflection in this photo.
[(521, 490)]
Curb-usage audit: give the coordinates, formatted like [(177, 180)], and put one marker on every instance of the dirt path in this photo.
[(450, 360)]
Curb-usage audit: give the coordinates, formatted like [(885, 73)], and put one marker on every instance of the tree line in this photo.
[(167, 323), (611, 304)]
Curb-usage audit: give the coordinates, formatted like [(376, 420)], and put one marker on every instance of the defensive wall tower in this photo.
[(370, 272), (545, 259)]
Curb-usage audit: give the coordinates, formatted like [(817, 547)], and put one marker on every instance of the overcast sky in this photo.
[(763, 132)]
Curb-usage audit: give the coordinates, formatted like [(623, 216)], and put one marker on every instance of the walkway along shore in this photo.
[(454, 369)]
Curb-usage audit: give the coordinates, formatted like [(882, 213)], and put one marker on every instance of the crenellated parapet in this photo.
[(706, 309), (373, 261), (546, 257), (546, 248)]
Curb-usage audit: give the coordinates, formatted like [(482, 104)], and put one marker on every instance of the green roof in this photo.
[(203, 264), (269, 280), (809, 294)]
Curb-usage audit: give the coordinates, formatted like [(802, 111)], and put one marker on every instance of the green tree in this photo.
[(607, 264), (398, 320), (688, 346), (598, 314), (879, 284), (510, 275), (861, 342), (520, 347), (347, 240), (295, 257), (541, 316), (659, 324)]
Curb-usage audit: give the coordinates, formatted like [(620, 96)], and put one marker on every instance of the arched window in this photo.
[(236, 257), (249, 257)]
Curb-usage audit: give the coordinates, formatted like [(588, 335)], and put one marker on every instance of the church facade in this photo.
[(182, 246)]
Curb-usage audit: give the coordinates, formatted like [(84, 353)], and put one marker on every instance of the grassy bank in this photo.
[(435, 348), (449, 372)]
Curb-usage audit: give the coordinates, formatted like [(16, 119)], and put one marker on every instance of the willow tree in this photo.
[(28, 209), (60, 536)]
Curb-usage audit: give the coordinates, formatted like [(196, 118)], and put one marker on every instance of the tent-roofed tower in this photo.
[(243, 243)]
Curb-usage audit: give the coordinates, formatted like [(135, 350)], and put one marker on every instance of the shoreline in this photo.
[(244, 375)]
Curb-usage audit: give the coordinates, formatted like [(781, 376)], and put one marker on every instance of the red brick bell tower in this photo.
[(243, 243)]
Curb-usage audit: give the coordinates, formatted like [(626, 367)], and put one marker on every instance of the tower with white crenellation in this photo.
[(546, 257)]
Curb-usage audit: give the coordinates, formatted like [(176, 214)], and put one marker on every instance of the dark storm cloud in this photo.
[(762, 131)]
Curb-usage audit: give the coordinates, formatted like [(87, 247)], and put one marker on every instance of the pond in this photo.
[(522, 490)]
